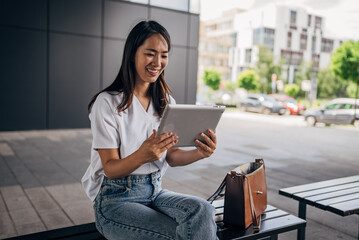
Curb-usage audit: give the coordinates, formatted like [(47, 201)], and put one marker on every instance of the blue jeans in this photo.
[(135, 207)]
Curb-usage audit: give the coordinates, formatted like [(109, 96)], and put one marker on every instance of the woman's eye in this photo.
[(150, 54), (164, 56)]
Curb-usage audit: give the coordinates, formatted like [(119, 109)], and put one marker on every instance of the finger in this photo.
[(209, 141), (213, 135), (153, 134), (164, 136), (204, 147), (168, 144)]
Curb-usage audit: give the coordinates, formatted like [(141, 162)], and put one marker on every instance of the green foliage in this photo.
[(351, 90), (248, 80), (230, 86), (265, 68), (304, 72), (291, 90), (329, 86), (212, 78), (345, 63)]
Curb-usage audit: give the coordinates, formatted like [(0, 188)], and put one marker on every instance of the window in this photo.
[(347, 106), (264, 36), (309, 19), (333, 106), (289, 40), (315, 60), (303, 41), (318, 22), (293, 18), (327, 45), (248, 55), (291, 57)]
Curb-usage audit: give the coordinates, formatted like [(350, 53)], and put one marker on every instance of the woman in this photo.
[(128, 160)]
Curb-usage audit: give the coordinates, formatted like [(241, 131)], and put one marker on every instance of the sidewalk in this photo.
[(40, 173)]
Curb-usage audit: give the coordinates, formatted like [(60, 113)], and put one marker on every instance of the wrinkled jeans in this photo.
[(135, 207)]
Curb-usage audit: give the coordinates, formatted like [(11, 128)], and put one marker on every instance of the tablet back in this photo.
[(188, 121)]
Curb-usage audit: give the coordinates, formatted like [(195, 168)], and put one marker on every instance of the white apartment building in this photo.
[(292, 33)]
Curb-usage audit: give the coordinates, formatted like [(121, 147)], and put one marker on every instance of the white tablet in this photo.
[(189, 121)]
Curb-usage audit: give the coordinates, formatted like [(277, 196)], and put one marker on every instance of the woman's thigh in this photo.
[(180, 206), (194, 215), (131, 220)]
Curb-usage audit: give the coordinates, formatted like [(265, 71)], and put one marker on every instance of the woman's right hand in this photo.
[(154, 147)]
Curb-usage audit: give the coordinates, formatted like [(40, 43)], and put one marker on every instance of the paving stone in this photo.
[(67, 193), (7, 178), (7, 228), (23, 176), (54, 219), (80, 212), (41, 199), (2, 204), (15, 198), (24, 216), (30, 228), (6, 150), (177, 174)]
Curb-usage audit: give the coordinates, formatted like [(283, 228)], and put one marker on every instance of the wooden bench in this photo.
[(339, 196), (274, 222)]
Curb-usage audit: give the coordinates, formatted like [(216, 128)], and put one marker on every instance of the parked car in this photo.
[(290, 103), (337, 111), (261, 103)]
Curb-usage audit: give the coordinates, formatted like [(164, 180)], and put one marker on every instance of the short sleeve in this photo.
[(103, 125), (171, 100)]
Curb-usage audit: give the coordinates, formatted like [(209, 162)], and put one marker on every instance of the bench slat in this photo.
[(345, 208), (327, 190), (268, 228), (330, 195), (80, 232), (341, 199), (314, 186)]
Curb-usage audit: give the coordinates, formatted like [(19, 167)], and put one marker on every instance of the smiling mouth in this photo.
[(152, 71)]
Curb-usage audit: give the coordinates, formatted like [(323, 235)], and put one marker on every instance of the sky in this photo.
[(342, 16)]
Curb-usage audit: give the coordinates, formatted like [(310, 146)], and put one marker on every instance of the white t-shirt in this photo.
[(126, 131)]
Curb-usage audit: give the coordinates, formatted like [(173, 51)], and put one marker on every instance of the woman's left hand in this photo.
[(207, 149)]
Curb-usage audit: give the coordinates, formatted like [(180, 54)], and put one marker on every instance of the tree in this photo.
[(248, 80), (329, 86), (265, 67), (304, 72), (345, 63), (212, 78), (291, 90)]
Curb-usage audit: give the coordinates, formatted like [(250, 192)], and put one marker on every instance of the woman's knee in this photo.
[(202, 209)]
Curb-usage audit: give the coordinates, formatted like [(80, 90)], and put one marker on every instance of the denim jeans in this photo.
[(135, 207)]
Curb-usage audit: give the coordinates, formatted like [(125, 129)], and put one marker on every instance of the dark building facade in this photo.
[(56, 54)]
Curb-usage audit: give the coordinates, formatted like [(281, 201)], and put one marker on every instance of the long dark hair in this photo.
[(126, 79)]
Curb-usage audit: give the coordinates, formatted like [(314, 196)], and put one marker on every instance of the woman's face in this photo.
[(151, 59)]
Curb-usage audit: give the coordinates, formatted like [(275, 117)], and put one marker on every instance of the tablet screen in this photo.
[(188, 121)]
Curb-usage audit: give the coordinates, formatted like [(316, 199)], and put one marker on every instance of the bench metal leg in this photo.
[(302, 213)]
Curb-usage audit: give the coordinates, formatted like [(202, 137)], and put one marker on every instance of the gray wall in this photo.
[(56, 54)]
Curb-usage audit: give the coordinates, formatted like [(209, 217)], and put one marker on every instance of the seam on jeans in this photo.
[(177, 206), (133, 227)]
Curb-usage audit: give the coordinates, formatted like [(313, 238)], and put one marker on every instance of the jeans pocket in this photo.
[(113, 189)]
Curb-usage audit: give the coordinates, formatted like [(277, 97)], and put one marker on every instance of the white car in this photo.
[(337, 111)]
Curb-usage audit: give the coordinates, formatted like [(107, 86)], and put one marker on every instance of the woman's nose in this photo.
[(156, 61)]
